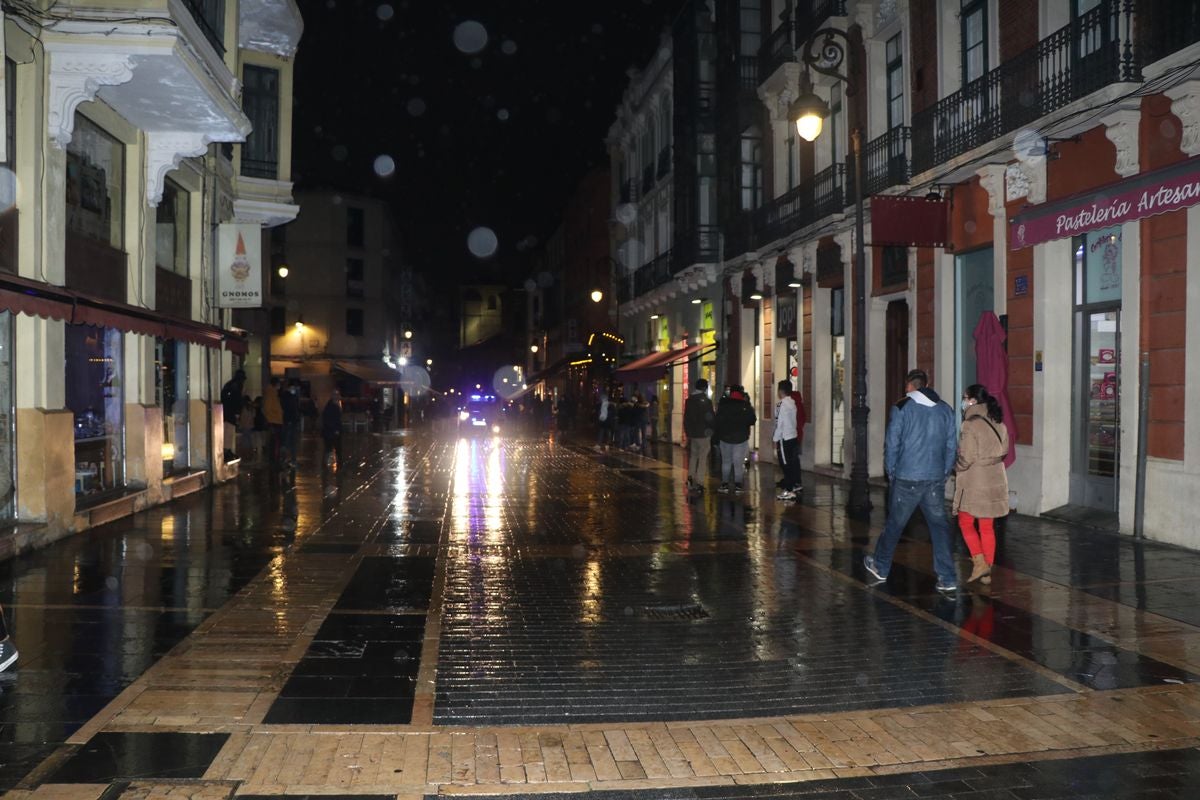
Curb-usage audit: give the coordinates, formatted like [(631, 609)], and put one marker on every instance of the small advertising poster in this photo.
[(239, 266)]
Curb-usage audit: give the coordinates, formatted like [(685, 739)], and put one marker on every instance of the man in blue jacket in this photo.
[(919, 455)]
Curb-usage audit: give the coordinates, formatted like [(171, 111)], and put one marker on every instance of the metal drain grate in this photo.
[(673, 611)]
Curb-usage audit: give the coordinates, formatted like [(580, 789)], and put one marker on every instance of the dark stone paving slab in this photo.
[(109, 757), (1161, 774), (543, 641), (389, 584)]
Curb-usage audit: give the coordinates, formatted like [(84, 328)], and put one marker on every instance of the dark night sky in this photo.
[(386, 79)]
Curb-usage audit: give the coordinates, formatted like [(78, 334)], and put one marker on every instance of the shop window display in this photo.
[(96, 398)]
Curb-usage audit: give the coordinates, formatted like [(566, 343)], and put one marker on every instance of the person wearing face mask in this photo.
[(981, 484)]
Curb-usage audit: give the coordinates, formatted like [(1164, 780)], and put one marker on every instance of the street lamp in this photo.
[(597, 295), (533, 348), (808, 112), (408, 334), (282, 271)]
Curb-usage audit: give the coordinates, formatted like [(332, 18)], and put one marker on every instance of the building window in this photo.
[(974, 39), (10, 116), (750, 27), (355, 227), (278, 321), (354, 322), (171, 230), (95, 186), (354, 277), (895, 83), (260, 101), (751, 169)]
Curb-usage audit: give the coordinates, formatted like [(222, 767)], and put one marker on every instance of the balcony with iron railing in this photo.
[(748, 73), (814, 14), (1093, 51), (813, 200), (886, 161), (778, 49), (624, 288), (647, 179), (652, 274)]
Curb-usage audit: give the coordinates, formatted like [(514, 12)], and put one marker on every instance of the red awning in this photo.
[(908, 221), (23, 296), (653, 366)]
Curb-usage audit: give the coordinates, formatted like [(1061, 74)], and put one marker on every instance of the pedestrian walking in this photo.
[(735, 417), (787, 441), (920, 450), (698, 421), (981, 483), (641, 422), (331, 428)]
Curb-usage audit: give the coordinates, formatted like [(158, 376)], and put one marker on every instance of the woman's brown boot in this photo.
[(979, 568)]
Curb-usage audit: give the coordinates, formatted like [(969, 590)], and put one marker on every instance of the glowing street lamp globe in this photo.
[(597, 295), (808, 112)]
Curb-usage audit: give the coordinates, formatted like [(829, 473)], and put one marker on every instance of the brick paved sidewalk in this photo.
[(504, 618)]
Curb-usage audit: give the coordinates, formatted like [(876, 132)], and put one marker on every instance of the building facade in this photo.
[(1054, 144), (335, 318), (126, 138)]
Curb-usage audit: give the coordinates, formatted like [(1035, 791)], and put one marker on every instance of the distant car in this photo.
[(483, 415)]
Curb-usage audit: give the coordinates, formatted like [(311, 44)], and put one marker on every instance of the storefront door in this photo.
[(172, 389), (974, 294), (8, 484), (837, 380), (896, 354), (96, 397), (1096, 416)]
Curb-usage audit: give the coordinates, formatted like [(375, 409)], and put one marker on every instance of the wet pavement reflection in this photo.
[(531, 582)]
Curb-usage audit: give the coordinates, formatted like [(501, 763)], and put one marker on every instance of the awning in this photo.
[(652, 367), (32, 298), (369, 371), (550, 371)]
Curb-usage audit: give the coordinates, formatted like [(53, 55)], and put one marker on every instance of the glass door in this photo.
[(1096, 427), (837, 380), (974, 294)]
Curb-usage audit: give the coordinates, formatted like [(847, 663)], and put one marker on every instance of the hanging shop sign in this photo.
[(1160, 191), (239, 266), (908, 221)]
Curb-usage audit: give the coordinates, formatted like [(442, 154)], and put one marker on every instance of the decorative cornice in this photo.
[(1026, 179), (75, 77), (991, 178), (1185, 104), (1121, 128), (164, 151)]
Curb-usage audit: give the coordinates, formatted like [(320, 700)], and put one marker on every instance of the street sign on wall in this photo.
[(239, 266)]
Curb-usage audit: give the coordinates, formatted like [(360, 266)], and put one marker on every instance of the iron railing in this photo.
[(1089, 53), (777, 50), (259, 167), (653, 274), (647, 179), (824, 194), (817, 14), (627, 191), (885, 161), (210, 16), (624, 288), (748, 73)]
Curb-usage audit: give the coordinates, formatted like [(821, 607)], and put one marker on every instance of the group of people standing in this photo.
[(624, 423), (273, 420)]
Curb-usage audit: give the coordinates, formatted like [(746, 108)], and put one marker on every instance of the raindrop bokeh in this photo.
[(508, 382), (470, 37), (340, 152), (482, 242), (384, 165), (626, 214), (384, 12), (414, 380), (416, 107), (508, 47), (502, 115), (1028, 145)]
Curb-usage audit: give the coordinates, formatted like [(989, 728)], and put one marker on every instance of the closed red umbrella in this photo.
[(991, 370)]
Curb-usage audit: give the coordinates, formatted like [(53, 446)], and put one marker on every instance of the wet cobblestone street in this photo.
[(504, 617)]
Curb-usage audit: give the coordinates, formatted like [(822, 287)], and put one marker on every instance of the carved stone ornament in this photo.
[(75, 77), (1121, 128), (1185, 104), (991, 178), (1025, 179), (164, 151), (888, 12)]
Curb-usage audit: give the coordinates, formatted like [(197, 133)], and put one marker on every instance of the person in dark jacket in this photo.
[(735, 418), (698, 422), (331, 428), (231, 406), (920, 450)]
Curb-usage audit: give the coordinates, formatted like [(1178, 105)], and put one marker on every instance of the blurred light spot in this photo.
[(340, 152), (470, 37), (626, 214), (597, 28), (1029, 145), (502, 115), (384, 166), (508, 47), (384, 12), (416, 107), (482, 242), (507, 382)]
